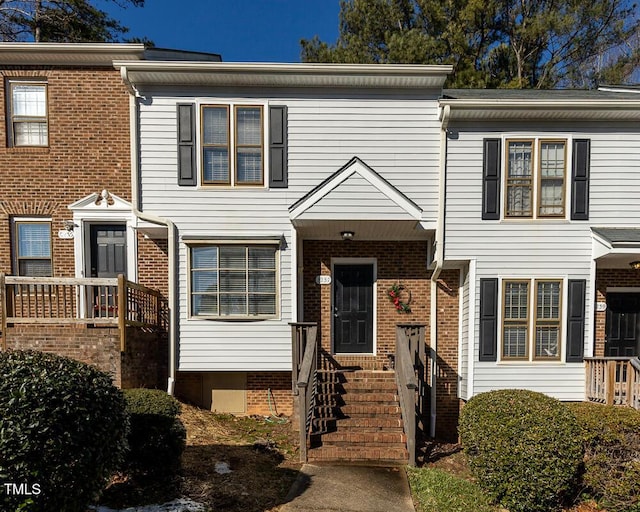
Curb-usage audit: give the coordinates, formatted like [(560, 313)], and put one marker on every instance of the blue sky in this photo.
[(240, 30)]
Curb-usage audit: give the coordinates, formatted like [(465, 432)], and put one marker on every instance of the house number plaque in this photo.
[(323, 279), (64, 233), (601, 306)]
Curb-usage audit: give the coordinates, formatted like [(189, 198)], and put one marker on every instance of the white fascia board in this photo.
[(98, 54), (284, 74), (609, 109)]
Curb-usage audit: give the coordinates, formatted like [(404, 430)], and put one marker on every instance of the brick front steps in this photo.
[(358, 419)]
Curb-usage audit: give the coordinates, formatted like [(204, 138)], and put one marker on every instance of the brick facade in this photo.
[(139, 366), (619, 277), (88, 151), (404, 262), (447, 403)]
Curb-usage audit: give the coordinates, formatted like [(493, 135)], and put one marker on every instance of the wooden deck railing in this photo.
[(613, 380), (410, 364), (304, 377), (59, 300)]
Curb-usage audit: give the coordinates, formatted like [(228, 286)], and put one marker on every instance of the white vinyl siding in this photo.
[(544, 248), (399, 138)]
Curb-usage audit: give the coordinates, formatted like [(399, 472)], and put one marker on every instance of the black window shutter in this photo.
[(278, 175), (580, 179), (575, 320), (488, 319), (186, 145), (491, 179)]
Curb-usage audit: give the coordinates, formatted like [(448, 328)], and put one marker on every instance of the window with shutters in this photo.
[(531, 313), (233, 281), (32, 247), (535, 178), (27, 113), (232, 145)]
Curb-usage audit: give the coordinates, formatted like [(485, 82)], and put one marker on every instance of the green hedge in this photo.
[(63, 430), (611, 438), (157, 436), (523, 447)]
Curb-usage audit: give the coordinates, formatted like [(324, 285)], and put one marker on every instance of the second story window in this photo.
[(232, 145), (27, 119), (535, 178)]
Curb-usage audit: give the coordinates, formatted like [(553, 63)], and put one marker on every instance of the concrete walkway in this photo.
[(349, 489)]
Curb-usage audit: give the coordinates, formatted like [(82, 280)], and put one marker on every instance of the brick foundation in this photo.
[(142, 365), (266, 392)]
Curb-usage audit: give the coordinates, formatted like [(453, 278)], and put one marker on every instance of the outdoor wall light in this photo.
[(348, 235), (635, 265), (69, 225)]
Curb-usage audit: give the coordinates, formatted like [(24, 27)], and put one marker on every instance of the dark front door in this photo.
[(622, 328), (108, 250), (353, 309)]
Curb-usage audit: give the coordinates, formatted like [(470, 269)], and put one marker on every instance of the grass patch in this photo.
[(435, 490)]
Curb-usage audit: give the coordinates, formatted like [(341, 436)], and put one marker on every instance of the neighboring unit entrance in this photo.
[(622, 329), (353, 309), (108, 250)]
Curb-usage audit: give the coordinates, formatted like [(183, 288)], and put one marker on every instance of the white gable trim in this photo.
[(104, 208), (356, 166)]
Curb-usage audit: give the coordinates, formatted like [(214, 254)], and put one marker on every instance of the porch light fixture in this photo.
[(635, 265), (69, 225), (348, 235)]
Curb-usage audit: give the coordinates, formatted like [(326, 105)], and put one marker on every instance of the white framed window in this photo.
[(32, 247), (535, 178), (27, 113), (232, 145), (531, 319), (230, 281)]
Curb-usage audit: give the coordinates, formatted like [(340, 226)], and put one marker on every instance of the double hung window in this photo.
[(531, 324), (32, 248), (234, 281), (27, 119), (535, 178), (232, 145)]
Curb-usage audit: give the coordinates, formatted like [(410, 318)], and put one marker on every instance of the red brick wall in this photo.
[(610, 278), (88, 151), (144, 363), (258, 399), (403, 262), (278, 401), (153, 264), (98, 346), (447, 402)]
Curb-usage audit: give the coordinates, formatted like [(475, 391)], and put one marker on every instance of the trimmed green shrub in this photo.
[(157, 436), (523, 447), (63, 430), (611, 437)]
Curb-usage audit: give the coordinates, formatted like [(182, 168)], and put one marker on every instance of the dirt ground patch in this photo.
[(229, 464)]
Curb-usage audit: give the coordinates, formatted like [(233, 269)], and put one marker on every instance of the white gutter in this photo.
[(438, 260), (237, 74), (171, 242), (547, 109)]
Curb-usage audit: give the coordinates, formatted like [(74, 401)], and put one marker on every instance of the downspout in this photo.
[(439, 261), (154, 219)]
